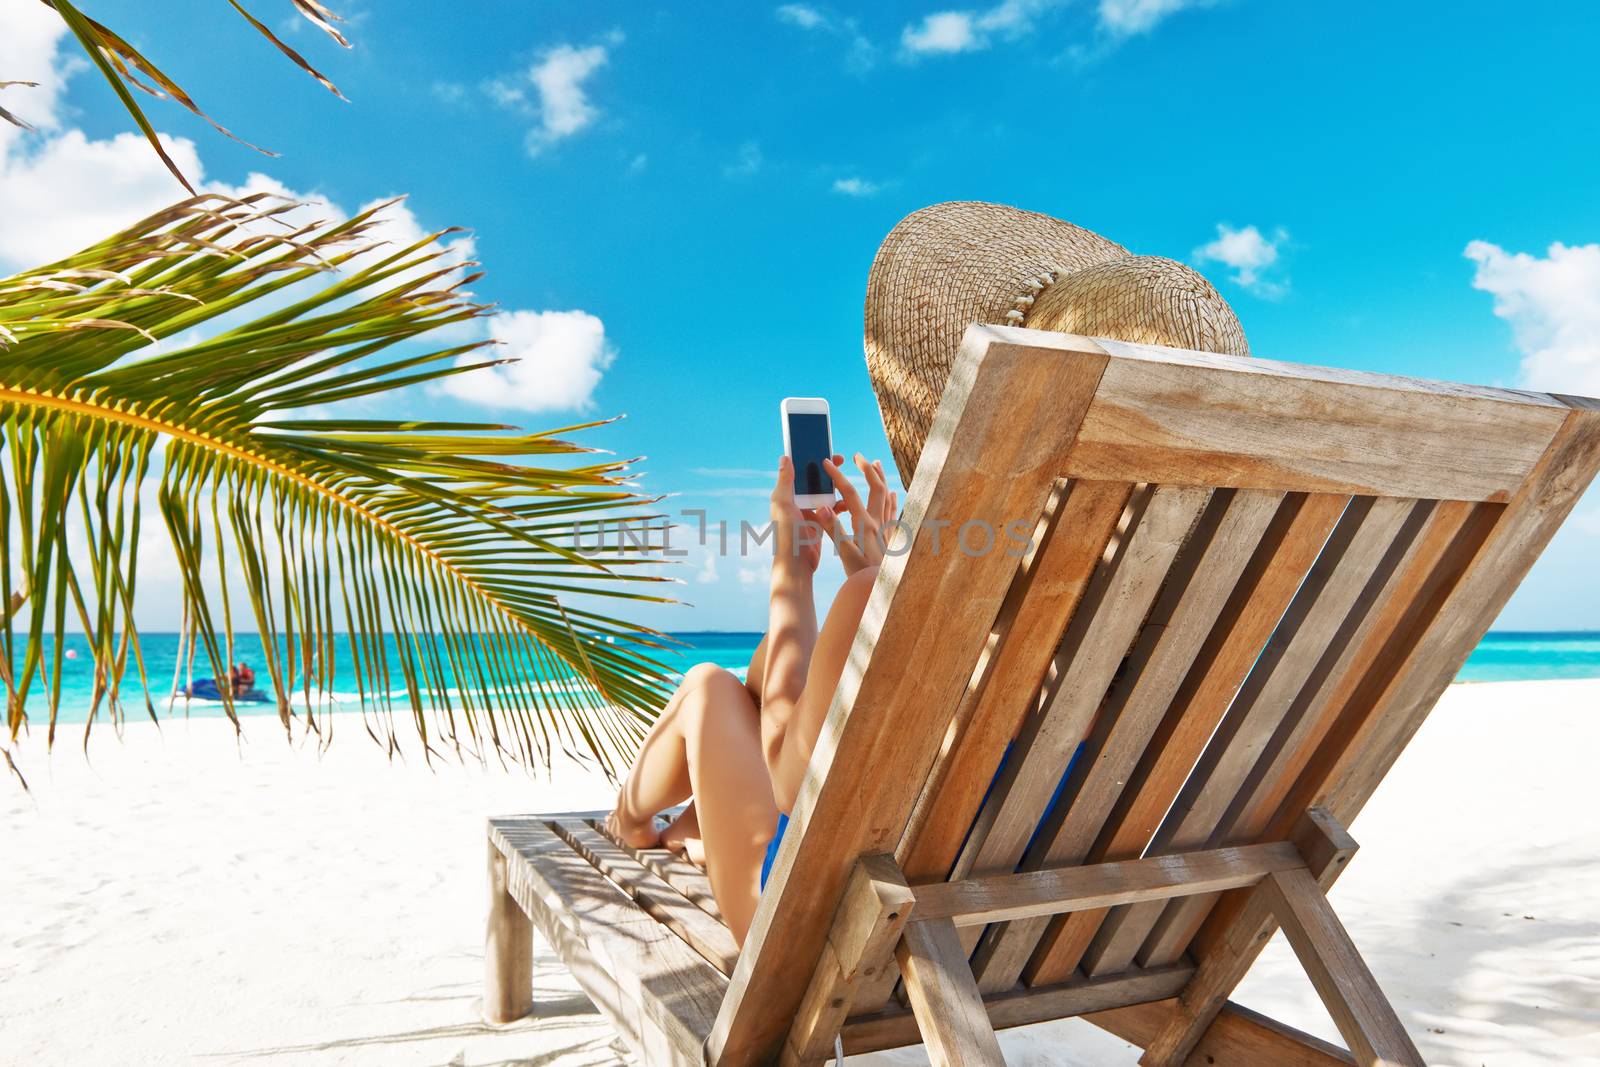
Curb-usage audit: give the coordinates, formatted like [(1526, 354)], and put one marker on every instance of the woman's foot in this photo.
[(634, 835), (682, 836)]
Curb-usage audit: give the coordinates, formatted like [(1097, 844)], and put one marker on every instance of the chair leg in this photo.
[(1364, 1016), (944, 997), (507, 950)]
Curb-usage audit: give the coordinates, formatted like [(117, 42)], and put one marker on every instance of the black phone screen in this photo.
[(808, 447)]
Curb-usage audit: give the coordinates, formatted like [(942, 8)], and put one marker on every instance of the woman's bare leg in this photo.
[(683, 836), (708, 744), (659, 778), (756, 672)]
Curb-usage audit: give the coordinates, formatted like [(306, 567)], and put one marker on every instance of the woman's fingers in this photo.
[(877, 488), (847, 493), (889, 497), (829, 522), (784, 489)]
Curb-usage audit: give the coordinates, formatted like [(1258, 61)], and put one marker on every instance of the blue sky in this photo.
[(1406, 188)]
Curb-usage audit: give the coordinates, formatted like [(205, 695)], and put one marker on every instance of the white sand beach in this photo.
[(178, 898)]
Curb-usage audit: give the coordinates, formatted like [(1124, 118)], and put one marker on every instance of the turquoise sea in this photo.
[(1503, 656)]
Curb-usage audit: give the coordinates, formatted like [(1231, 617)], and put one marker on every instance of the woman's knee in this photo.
[(709, 676), (713, 694)]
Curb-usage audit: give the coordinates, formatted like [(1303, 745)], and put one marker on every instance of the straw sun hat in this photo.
[(950, 265)]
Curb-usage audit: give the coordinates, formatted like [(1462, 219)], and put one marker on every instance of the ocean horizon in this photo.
[(1502, 656)]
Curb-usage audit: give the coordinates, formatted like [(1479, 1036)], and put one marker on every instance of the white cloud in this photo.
[(1126, 18), (558, 81), (856, 187), (707, 574), (861, 54), (79, 190), (951, 32), (1553, 305), (746, 163), (804, 16), (29, 52), (561, 358), (1250, 254), (942, 33), (564, 107)]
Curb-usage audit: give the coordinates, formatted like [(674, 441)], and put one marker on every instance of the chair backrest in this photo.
[(1247, 584)]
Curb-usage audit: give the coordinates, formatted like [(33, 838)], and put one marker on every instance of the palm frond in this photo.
[(125, 68), (210, 349)]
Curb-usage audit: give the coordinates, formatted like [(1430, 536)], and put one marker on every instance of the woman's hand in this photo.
[(797, 534), (865, 544)]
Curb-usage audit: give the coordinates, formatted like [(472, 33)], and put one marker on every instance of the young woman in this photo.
[(740, 749)]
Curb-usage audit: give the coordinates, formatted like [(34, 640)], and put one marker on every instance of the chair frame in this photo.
[(1295, 562)]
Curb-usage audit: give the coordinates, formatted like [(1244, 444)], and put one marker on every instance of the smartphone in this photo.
[(808, 440)]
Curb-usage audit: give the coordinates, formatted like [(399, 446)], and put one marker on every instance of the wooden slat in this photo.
[(1023, 1007), (700, 931), (872, 913), (1360, 639), (1259, 600), (673, 869), (1076, 532), (1239, 1038), (1354, 551), (1042, 600), (993, 454), (1362, 1013), (660, 994), (949, 1010), (1195, 589), (1003, 897), (1118, 599), (1147, 537), (1426, 664), (1168, 416), (1381, 629)]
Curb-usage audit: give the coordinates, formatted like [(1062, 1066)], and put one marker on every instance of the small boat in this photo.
[(206, 689)]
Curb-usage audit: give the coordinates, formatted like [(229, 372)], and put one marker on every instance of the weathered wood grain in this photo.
[(944, 998), (507, 950), (1343, 772), (1005, 897), (873, 911), (992, 456), (1169, 417), (1239, 1038), (660, 994), (1193, 592), (1044, 597), (673, 869), (1362, 1013), (1258, 601), (1023, 1007), (1357, 546), (661, 901)]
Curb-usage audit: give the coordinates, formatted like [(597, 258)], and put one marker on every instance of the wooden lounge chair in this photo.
[(1251, 581)]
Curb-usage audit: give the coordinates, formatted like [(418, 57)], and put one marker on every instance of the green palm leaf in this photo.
[(214, 347)]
